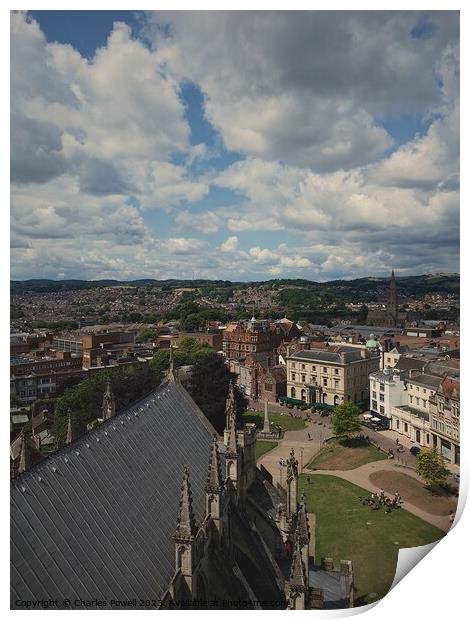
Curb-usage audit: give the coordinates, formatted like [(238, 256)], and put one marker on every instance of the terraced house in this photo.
[(412, 418), (444, 409), (330, 377)]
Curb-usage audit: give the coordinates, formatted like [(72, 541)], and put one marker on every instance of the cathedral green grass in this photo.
[(345, 454), (264, 446), (286, 422), (347, 530)]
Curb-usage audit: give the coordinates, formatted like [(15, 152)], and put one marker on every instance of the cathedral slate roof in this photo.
[(97, 518)]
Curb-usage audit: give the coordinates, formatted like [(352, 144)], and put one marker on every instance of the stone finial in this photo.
[(186, 523), (109, 403), (292, 466), (232, 441), (23, 453), (214, 478), (297, 571), (230, 405), (172, 371), (70, 428), (302, 523), (25, 459)]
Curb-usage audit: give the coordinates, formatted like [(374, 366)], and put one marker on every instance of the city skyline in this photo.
[(317, 145)]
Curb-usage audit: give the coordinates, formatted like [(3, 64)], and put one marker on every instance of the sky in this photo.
[(234, 145)]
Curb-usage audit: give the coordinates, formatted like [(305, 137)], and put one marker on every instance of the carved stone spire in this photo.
[(70, 429), (171, 370), (186, 523), (302, 522), (292, 466), (231, 440), (230, 406), (292, 475), (297, 571), (25, 459), (23, 453), (109, 403), (214, 478)]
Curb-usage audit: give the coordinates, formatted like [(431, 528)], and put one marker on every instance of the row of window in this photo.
[(445, 429), (416, 431), (324, 369), (381, 408), (313, 380)]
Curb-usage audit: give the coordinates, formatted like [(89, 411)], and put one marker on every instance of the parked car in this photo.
[(415, 450)]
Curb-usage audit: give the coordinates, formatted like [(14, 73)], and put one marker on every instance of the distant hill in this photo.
[(417, 285)]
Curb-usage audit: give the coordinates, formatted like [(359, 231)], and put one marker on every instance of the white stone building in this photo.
[(412, 419), (387, 390)]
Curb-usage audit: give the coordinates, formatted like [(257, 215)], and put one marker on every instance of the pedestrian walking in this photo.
[(397, 441), (309, 438)]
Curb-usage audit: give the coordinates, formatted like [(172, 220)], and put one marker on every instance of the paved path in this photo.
[(319, 429), (360, 476), (304, 448)]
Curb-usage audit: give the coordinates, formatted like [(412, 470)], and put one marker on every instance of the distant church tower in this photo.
[(393, 304)]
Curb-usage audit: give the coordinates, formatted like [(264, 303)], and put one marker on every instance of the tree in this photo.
[(188, 352), (209, 386), (129, 383), (145, 335), (345, 420), (430, 465)]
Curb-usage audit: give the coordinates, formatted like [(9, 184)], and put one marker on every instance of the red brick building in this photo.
[(272, 383), (212, 337), (245, 337)]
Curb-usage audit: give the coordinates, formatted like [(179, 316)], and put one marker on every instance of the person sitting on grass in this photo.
[(398, 498)]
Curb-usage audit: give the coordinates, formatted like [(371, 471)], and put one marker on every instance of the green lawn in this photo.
[(339, 454), (286, 422), (347, 530), (264, 446)]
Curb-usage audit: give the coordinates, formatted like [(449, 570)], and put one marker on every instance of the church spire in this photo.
[(393, 304), (214, 478), (186, 524)]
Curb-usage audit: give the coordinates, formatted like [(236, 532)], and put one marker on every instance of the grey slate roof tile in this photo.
[(100, 522)]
